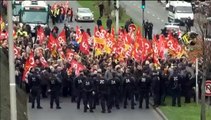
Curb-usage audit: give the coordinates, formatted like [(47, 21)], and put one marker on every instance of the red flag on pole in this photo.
[(30, 63), (84, 45), (62, 37)]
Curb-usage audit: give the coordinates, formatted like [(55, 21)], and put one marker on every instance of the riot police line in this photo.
[(113, 87)]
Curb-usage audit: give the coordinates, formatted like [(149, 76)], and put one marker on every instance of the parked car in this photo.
[(84, 14)]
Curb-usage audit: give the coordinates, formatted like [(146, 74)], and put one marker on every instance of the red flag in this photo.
[(43, 61), (40, 35), (62, 37), (84, 45), (30, 63), (77, 67), (69, 55), (52, 43), (16, 51)]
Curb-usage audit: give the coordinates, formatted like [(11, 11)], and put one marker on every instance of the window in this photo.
[(34, 17), (171, 8), (16, 9), (183, 9)]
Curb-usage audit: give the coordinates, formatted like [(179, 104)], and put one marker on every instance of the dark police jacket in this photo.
[(144, 84), (54, 83), (128, 83), (175, 82), (79, 82), (88, 85), (34, 81), (103, 86)]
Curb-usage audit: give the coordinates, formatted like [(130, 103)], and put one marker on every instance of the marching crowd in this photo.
[(45, 70)]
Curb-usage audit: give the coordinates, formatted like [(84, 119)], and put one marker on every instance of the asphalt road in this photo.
[(69, 111), (74, 4), (154, 12)]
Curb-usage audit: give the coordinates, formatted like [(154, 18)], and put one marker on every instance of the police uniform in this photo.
[(144, 88), (34, 84), (78, 88), (156, 87), (104, 94), (55, 86), (114, 86), (88, 93), (175, 85), (128, 88)]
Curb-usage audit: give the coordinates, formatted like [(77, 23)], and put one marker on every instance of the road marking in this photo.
[(153, 15)]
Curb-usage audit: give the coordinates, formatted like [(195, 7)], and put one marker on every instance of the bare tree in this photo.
[(201, 25)]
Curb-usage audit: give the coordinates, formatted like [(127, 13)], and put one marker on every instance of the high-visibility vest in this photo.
[(57, 12), (185, 38)]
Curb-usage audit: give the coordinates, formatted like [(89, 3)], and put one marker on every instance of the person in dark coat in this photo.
[(156, 87), (150, 31), (55, 86), (101, 8), (114, 87), (34, 84), (144, 89), (103, 90), (79, 88), (146, 30), (99, 22), (88, 93), (109, 24), (128, 88), (175, 85)]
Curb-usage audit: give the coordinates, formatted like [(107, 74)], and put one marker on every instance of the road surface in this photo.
[(69, 111), (154, 12), (74, 4)]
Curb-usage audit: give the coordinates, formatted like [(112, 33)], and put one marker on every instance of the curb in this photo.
[(159, 112)]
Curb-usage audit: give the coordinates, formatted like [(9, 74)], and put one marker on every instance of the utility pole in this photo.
[(143, 7), (13, 105), (117, 16)]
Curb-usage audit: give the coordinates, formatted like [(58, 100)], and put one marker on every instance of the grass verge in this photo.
[(94, 7), (186, 112), (5, 93)]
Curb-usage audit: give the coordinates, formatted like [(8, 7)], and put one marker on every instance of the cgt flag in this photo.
[(30, 63)]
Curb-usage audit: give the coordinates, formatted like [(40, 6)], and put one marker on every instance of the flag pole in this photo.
[(13, 106), (117, 16)]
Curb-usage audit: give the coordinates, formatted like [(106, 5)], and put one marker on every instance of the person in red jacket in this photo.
[(70, 15)]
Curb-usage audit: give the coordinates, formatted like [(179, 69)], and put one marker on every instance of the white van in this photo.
[(180, 10)]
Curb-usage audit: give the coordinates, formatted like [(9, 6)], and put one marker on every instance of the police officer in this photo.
[(88, 93), (114, 86), (187, 87), (175, 85), (150, 30), (155, 87), (144, 89), (103, 93), (128, 88), (55, 86), (146, 26), (79, 88), (34, 84)]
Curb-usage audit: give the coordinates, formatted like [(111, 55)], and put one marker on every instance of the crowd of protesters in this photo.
[(104, 80)]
